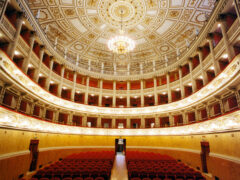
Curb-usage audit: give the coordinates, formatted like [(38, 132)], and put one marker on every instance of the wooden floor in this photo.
[(119, 171)]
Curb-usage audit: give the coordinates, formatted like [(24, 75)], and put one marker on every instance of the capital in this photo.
[(199, 49), (210, 36)]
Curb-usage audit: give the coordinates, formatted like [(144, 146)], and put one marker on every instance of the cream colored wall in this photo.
[(55, 146)]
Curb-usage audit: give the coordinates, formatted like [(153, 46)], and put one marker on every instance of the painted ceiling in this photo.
[(160, 28)]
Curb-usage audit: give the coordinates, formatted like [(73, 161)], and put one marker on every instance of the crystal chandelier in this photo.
[(121, 44)]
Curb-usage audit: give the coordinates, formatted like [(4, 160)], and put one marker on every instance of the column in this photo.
[(196, 114), (168, 88), (185, 120), (191, 74), (32, 107), (28, 58), (4, 88), (128, 123), (142, 95), (61, 83), (114, 68), (56, 116), (237, 8), (154, 66), (221, 105), (237, 97), (114, 94), (84, 120), (142, 122), (38, 69), (89, 65), (208, 110), (13, 44), (171, 120), (155, 91), (70, 119), (99, 122), (180, 82), (86, 92), (47, 84), (102, 68), (128, 72), (44, 112), (19, 101), (74, 86), (114, 123), (157, 122), (3, 8), (141, 68), (128, 93), (228, 46), (204, 75), (100, 94), (214, 61)]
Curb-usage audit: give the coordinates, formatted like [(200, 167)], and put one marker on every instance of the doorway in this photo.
[(205, 150), (33, 148), (120, 146)]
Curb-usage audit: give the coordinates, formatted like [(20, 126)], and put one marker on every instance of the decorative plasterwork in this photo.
[(223, 80), (13, 120), (158, 27)]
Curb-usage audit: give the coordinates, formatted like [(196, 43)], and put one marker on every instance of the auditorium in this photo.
[(119, 89)]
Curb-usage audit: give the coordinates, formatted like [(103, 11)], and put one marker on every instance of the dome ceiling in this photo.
[(159, 27)]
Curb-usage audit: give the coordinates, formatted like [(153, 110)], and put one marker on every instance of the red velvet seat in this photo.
[(99, 178), (78, 178), (67, 178), (44, 179), (135, 178), (88, 178)]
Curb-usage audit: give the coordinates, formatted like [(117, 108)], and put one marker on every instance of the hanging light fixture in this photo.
[(121, 44)]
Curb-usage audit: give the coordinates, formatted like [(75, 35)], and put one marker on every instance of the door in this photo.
[(120, 146), (33, 154), (205, 150)]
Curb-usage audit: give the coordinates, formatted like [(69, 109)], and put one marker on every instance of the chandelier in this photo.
[(121, 44)]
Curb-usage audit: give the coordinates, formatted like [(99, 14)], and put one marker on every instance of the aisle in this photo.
[(119, 171)]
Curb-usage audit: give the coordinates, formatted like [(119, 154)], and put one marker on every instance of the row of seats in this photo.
[(154, 166), (77, 178), (81, 166)]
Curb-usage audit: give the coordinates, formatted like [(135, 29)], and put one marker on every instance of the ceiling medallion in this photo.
[(121, 44)]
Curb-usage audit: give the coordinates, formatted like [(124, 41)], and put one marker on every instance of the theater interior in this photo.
[(119, 89)]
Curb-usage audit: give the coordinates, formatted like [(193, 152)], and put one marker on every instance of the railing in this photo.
[(24, 46), (8, 27)]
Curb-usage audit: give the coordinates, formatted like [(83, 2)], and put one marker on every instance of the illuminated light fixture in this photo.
[(200, 77), (64, 88), (78, 92), (135, 97), (189, 84), (16, 52), (24, 22), (121, 97), (150, 95), (51, 82), (178, 89), (219, 25), (30, 65), (212, 68), (1, 35), (225, 56), (106, 96), (121, 44), (40, 75), (164, 93), (92, 95)]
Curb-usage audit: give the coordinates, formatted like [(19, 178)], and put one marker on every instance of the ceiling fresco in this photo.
[(159, 28)]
